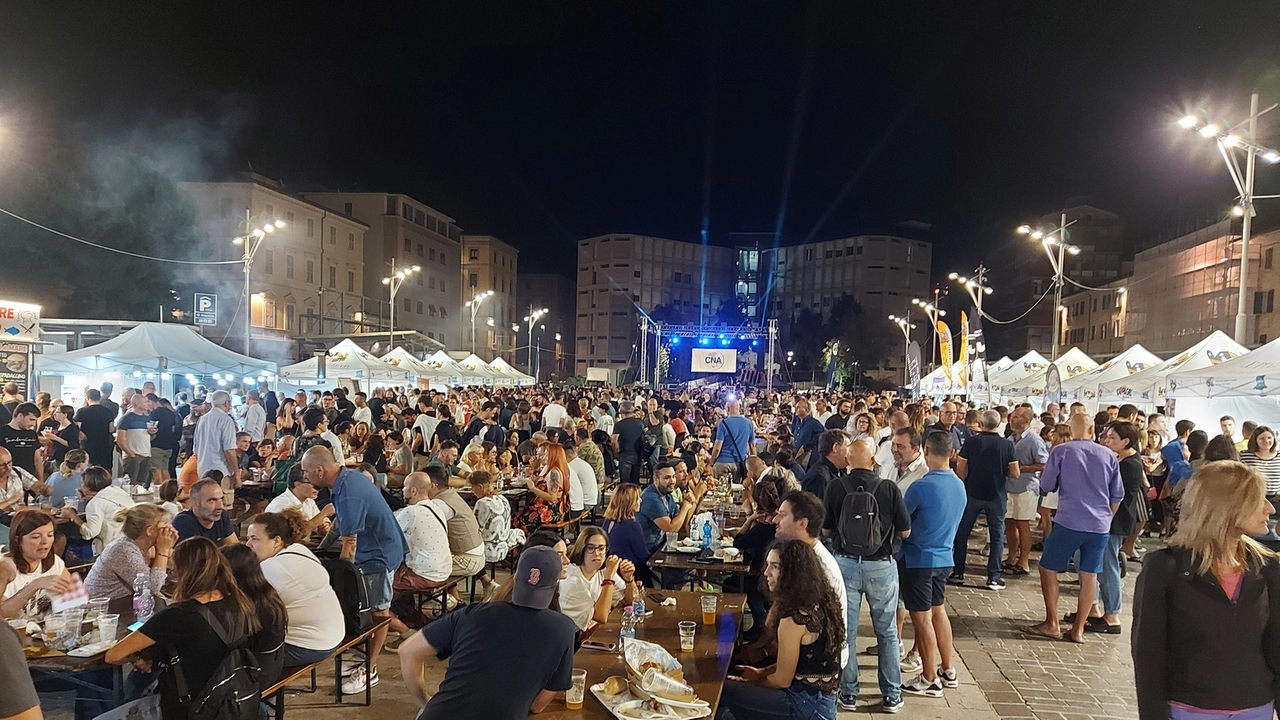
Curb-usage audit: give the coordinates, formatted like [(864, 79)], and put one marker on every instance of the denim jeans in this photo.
[(1109, 579), (748, 701), (878, 580), (293, 656), (994, 512)]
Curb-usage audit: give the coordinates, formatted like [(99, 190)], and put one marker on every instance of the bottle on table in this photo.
[(637, 605), (144, 603)]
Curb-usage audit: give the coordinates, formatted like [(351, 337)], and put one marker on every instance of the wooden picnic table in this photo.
[(705, 669), (71, 669)]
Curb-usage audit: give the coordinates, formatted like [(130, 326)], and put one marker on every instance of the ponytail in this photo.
[(72, 460)]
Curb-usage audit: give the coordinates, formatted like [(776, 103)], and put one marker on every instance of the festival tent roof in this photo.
[(1071, 363), (1084, 387), (476, 366), (156, 348), (405, 360), (344, 360), (1148, 387), (1254, 374), (502, 366), (458, 375), (1020, 369)]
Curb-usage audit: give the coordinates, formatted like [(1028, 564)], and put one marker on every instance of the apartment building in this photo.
[(1096, 320), (488, 265), (307, 277), (881, 272), (404, 232), (555, 293)]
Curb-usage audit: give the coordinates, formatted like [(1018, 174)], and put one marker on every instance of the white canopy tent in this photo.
[(476, 366), (458, 375), (156, 348), (502, 366), (1084, 387), (1031, 388), (1147, 389), (1246, 388), (1020, 369), (346, 360), (425, 374)]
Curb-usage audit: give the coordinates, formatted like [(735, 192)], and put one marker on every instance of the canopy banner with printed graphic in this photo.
[(944, 351)]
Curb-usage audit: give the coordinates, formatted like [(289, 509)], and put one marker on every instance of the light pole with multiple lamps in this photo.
[(933, 312), (252, 241), (1058, 262), (474, 305), (532, 319), (393, 283), (906, 326), (1228, 143)]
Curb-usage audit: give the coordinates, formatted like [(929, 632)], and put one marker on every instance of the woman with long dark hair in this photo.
[(596, 581), (41, 573), (267, 644), (204, 584), (809, 625)]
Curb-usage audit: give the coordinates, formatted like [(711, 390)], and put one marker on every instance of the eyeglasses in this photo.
[(597, 548)]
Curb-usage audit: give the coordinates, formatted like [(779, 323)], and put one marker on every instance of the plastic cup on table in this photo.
[(55, 623), (708, 609), (96, 608), (108, 625), (573, 696), (688, 629)]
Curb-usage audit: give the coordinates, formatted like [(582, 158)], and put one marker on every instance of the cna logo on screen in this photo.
[(712, 362)]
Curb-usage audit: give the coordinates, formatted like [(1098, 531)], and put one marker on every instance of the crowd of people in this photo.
[(846, 499)]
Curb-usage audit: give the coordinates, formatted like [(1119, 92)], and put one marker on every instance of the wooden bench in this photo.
[(273, 696)]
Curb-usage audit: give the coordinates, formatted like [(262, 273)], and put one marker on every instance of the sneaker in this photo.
[(920, 686), (891, 707), (351, 667), (995, 584), (948, 677), (955, 580), (912, 664), (355, 684), (847, 703)]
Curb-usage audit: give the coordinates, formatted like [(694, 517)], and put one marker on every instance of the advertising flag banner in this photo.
[(944, 350), (980, 385), (913, 367), (964, 353)]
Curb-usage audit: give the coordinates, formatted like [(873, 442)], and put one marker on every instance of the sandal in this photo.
[(1037, 631)]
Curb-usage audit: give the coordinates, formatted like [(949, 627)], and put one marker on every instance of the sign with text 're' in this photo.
[(714, 361)]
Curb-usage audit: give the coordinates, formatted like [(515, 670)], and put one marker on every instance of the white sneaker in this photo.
[(351, 667), (920, 686), (912, 663), (355, 684), (948, 677)]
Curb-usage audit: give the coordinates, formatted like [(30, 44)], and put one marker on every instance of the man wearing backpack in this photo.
[(866, 518)]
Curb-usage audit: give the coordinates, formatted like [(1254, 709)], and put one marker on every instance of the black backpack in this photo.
[(234, 690), (347, 583), (859, 523)]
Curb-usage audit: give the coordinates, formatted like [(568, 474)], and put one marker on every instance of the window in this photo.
[(270, 213), (431, 310), (442, 290), (408, 245), (289, 314), (443, 312), (827, 254), (268, 264), (406, 212), (473, 254), (288, 267), (1266, 260), (311, 227), (1271, 300), (431, 254), (419, 217), (391, 206), (442, 261), (333, 277), (224, 208), (311, 271), (432, 283), (636, 273), (351, 241), (431, 223), (419, 249), (333, 236), (472, 280), (1262, 339), (1258, 299), (419, 279), (351, 281), (408, 304), (346, 209), (419, 307), (288, 219)]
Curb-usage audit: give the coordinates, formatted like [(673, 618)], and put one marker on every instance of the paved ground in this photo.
[(1003, 674)]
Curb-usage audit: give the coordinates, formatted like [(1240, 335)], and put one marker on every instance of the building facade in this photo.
[(403, 232), (307, 277), (488, 264), (1096, 320), (556, 294)]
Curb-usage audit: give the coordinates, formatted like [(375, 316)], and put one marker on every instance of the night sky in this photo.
[(555, 121)]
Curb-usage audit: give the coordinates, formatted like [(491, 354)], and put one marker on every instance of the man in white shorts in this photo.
[(1024, 490)]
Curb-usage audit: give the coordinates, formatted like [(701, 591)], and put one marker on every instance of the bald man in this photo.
[(735, 442), (1087, 476), (371, 538)]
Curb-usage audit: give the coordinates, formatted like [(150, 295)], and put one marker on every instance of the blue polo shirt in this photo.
[(653, 505), (936, 502), (361, 511)]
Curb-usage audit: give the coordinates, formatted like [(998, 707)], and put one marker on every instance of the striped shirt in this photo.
[(1269, 469)]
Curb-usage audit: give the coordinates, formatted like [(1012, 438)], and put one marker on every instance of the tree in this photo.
[(732, 313)]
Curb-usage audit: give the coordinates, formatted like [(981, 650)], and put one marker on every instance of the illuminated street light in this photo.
[(474, 306), (252, 241), (1227, 141), (1058, 261), (393, 283), (905, 325), (933, 312), (531, 320)]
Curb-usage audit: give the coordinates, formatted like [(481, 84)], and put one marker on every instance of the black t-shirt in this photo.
[(1131, 476), (893, 517), (629, 431), (58, 451), (836, 422), (180, 629), (819, 478), (22, 446), (111, 405), (474, 428), (988, 456), (188, 525), (167, 429), (501, 656), (753, 542), (95, 422)]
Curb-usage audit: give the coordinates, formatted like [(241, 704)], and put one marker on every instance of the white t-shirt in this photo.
[(553, 416), (578, 594), (25, 579), (287, 499), (428, 538), (363, 415), (575, 489), (604, 421), (823, 416), (585, 479), (100, 524), (315, 617), (336, 445), (837, 581), (426, 424)]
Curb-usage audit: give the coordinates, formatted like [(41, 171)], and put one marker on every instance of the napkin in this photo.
[(73, 597)]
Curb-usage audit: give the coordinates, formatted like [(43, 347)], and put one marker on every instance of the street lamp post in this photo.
[(933, 312), (1058, 262), (393, 283), (905, 325), (1227, 142), (532, 319), (474, 305), (252, 241)]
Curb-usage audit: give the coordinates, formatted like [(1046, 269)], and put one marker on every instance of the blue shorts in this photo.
[(378, 587), (1063, 542)]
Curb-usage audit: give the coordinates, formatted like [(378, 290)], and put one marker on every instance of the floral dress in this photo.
[(538, 512)]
